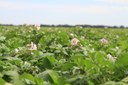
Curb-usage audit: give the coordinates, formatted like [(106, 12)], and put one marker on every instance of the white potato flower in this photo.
[(32, 46), (37, 26), (74, 41), (16, 50), (117, 36), (104, 41), (71, 34), (111, 58), (117, 48)]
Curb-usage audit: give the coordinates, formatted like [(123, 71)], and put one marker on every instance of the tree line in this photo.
[(67, 25)]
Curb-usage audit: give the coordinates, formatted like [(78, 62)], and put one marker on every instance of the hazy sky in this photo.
[(107, 12)]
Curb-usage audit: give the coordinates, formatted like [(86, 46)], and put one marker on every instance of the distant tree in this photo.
[(115, 27), (122, 26)]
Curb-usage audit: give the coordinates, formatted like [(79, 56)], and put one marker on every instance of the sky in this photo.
[(93, 12)]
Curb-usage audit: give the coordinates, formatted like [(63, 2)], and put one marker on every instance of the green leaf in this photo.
[(39, 81), (54, 76), (122, 60), (67, 66), (100, 57), (88, 64), (78, 59), (28, 78), (14, 77), (63, 38), (110, 83), (2, 82), (125, 80), (51, 59), (50, 75)]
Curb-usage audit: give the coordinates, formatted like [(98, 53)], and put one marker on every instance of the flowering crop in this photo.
[(63, 56)]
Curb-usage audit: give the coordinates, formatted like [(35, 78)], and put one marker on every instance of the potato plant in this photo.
[(63, 56)]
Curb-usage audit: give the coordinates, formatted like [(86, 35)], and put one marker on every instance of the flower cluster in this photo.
[(32, 46), (111, 58)]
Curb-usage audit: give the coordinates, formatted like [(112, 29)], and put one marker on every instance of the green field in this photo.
[(49, 56)]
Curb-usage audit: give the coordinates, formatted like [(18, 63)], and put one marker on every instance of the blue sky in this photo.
[(96, 12)]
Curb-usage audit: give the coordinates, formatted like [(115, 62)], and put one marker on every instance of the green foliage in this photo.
[(57, 62)]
